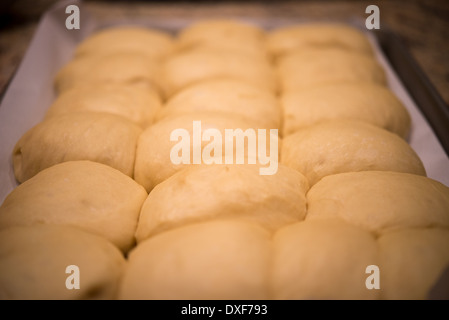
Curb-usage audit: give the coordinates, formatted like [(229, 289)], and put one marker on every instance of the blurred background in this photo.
[(422, 25)]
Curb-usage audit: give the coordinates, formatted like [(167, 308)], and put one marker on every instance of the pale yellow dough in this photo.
[(211, 192), (100, 137), (33, 262), (132, 102), (208, 261), (282, 40), (156, 44), (348, 192), (380, 200), (233, 97), (153, 161), (324, 259), (308, 68), (411, 262), (205, 63), (339, 146), (366, 102), (123, 68), (85, 194), (224, 34)]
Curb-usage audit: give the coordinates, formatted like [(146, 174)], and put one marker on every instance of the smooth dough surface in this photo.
[(307, 68), (208, 261), (210, 192), (411, 261), (234, 97), (156, 150), (33, 262), (339, 146), (100, 137), (380, 200), (318, 35), (85, 194), (132, 102), (205, 63), (366, 102), (224, 34), (323, 260), (156, 44), (122, 68)]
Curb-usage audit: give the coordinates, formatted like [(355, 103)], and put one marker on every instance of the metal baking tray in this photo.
[(417, 84)]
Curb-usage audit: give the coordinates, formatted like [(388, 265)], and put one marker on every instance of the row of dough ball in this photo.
[(316, 151), (237, 103), (95, 196), (316, 63), (289, 113), (219, 103), (286, 59), (285, 237)]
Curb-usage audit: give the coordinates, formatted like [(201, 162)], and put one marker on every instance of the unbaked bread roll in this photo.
[(156, 44), (307, 68), (85, 194), (123, 68), (412, 261), (99, 137), (233, 97), (156, 150), (367, 102), (206, 63), (211, 192), (34, 261), (380, 200), (134, 103), (223, 34), (318, 35), (219, 260), (339, 146), (324, 259)]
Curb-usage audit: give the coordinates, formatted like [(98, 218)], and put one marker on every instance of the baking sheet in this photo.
[(30, 92)]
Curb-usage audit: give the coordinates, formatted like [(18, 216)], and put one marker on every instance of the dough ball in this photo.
[(366, 102), (347, 146), (317, 35), (172, 144), (206, 63), (219, 260), (233, 97), (100, 137), (412, 260), (380, 200), (207, 192), (322, 260), (312, 67), (155, 44), (85, 194), (123, 68), (134, 103), (224, 34), (34, 260)]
